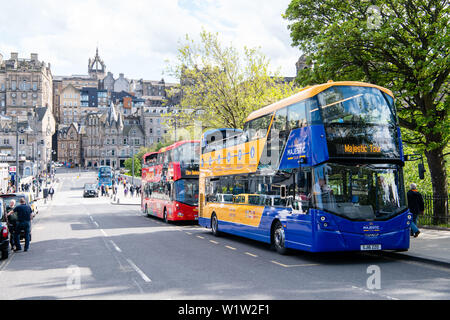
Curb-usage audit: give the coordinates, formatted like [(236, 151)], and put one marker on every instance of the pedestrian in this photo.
[(12, 222), (51, 192), (24, 216), (416, 206), (125, 190), (102, 188)]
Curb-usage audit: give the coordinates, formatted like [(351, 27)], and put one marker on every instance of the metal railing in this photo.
[(436, 211)]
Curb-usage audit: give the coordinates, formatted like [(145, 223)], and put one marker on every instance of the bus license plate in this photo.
[(368, 247)]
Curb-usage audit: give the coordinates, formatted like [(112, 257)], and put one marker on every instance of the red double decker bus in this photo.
[(170, 181)]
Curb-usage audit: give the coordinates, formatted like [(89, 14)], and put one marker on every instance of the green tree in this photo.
[(219, 86), (402, 45), (137, 165)]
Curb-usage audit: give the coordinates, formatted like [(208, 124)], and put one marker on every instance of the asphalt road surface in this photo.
[(92, 249)]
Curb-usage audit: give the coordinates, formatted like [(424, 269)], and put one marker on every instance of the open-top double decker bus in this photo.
[(170, 181), (323, 168)]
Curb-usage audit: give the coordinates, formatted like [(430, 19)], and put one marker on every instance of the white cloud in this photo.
[(136, 37)]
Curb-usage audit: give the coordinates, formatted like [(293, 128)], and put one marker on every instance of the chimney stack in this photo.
[(34, 57)]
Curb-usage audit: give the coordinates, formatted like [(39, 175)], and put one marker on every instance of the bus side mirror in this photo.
[(421, 171), (283, 192)]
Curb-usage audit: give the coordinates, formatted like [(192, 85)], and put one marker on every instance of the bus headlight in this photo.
[(322, 218), (409, 217)]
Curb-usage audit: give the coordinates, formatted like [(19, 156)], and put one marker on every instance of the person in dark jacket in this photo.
[(12, 222), (416, 206), (24, 216)]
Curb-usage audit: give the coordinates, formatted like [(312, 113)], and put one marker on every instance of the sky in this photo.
[(140, 37)]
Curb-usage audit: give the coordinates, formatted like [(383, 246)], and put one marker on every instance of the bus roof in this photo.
[(309, 92), (149, 154), (177, 144)]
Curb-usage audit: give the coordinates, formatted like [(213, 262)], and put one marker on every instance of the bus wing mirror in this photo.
[(283, 192), (421, 171)]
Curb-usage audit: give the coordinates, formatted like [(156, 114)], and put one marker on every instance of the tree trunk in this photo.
[(436, 164)]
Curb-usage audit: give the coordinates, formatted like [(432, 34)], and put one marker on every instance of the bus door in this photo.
[(299, 201)]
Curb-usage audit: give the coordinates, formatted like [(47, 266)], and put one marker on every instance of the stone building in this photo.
[(69, 144), (24, 85), (96, 67), (26, 100)]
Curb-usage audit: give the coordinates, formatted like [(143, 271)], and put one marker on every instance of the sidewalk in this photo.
[(121, 199), (430, 246)]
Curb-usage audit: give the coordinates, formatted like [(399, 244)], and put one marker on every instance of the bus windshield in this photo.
[(353, 104), (359, 192), (186, 191), (104, 172), (359, 122), (186, 154)]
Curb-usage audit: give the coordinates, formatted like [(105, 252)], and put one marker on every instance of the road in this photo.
[(93, 249)]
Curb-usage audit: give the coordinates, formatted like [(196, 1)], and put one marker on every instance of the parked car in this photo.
[(90, 190)]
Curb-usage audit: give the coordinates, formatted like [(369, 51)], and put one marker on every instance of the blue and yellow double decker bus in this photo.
[(105, 176), (318, 171)]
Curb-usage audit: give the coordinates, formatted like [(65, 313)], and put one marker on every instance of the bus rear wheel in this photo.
[(215, 225), (165, 216), (279, 238)]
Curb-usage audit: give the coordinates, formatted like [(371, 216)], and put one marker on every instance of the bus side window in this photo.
[(297, 115)]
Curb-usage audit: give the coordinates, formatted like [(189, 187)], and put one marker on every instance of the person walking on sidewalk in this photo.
[(24, 216), (51, 192), (416, 205)]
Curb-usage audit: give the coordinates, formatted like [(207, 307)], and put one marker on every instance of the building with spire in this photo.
[(96, 67)]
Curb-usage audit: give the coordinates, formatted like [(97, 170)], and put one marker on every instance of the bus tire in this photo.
[(279, 238), (215, 225), (146, 211), (165, 216)]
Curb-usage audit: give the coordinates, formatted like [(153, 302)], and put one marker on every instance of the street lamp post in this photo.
[(27, 131)]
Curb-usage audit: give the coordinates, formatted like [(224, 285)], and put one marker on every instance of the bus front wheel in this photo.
[(279, 238), (215, 225)]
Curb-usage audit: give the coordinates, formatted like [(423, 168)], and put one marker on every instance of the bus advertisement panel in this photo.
[(318, 171), (170, 182)]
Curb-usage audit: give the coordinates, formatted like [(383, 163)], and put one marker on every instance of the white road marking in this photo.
[(232, 248), (200, 237), (139, 271), (294, 265), (104, 233), (115, 246), (215, 242), (251, 254)]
